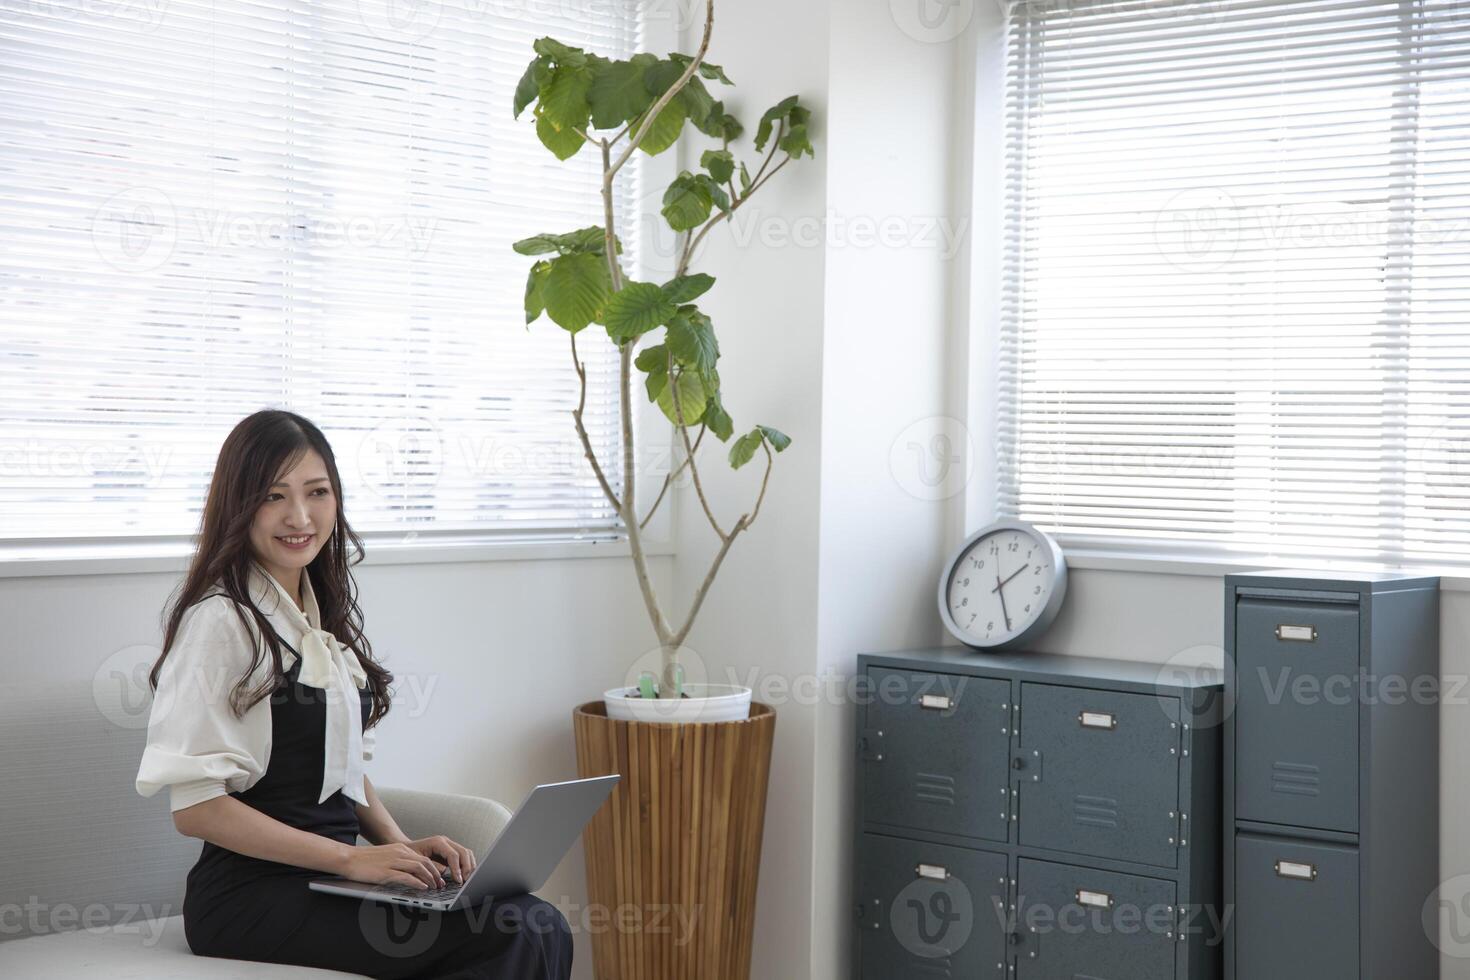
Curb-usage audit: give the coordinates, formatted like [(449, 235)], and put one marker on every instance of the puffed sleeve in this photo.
[(196, 745)]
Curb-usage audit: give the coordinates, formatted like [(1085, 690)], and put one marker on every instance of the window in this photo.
[(1236, 311), (215, 207)]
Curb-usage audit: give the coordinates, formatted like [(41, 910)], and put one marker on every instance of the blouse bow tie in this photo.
[(325, 665)]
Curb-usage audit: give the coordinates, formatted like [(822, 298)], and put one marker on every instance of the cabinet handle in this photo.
[(1297, 870), (936, 871), (1097, 719), (1098, 900), (1301, 634), (936, 702)]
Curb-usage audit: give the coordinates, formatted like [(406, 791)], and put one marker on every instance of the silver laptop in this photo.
[(519, 861)]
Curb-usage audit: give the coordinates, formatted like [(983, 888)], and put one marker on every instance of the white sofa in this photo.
[(69, 874)]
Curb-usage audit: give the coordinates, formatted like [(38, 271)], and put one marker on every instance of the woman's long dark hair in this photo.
[(258, 452)]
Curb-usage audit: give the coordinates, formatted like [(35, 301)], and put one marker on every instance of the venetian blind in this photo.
[(1236, 313), (215, 207)]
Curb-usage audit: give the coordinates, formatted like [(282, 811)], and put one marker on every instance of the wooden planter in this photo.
[(672, 857)]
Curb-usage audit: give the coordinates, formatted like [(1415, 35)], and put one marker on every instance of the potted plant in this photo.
[(680, 838)]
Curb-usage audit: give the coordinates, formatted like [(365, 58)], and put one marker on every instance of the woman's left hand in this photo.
[(460, 859)]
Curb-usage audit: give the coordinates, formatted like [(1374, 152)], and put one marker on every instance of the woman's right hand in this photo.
[(382, 864)]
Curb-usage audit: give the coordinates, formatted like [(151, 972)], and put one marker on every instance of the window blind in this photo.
[(216, 207), (1236, 317)]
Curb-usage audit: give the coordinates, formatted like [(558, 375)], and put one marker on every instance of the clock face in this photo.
[(1001, 585)]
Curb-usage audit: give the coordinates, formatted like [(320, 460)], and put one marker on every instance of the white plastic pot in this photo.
[(704, 703)]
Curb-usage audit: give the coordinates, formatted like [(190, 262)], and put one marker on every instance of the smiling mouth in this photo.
[(295, 539)]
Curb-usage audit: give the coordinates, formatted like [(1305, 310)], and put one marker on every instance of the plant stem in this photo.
[(671, 477)]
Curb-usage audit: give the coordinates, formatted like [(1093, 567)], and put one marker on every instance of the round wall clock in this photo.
[(1003, 586)]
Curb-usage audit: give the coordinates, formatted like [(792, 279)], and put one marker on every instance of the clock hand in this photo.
[(998, 584), (1018, 571)]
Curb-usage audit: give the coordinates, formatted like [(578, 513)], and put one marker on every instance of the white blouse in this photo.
[(198, 747)]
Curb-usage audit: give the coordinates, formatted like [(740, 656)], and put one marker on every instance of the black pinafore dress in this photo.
[(241, 907)]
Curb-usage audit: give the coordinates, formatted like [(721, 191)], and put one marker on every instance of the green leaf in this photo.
[(657, 381), (576, 289), (691, 398), (564, 98), (655, 358), (777, 112), (716, 418), (745, 448), (697, 101), (691, 337), (560, 53), (535, 286), (796, 140), (744, 180), (590, 240), (665, 129), (636, 309), (717, 193), (686, 288), (538, 72), (778, 439), (660, 76), (564, 143), (618, 93), (687, 202), (719, 163), (712, 72)]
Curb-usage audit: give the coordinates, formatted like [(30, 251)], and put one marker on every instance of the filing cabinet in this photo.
[(1331, 775), (1037, 817)]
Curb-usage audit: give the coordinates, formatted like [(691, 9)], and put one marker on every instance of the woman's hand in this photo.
[(386, 863), (460, 859)]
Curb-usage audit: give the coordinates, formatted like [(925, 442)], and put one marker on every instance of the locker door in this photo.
[(1296, 713), (936, 749), (1296, 910), (1098, 773), (930, 910), (1078, 922)]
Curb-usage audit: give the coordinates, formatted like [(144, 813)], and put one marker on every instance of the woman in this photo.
[(263, 697)]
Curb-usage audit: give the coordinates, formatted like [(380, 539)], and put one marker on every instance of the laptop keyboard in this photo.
[(398, 888)]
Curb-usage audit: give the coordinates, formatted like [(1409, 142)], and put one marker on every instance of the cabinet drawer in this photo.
[(1296, 910), (930, 910), (1098, 773), (1296, 713), (1080, 922), (936, 748)]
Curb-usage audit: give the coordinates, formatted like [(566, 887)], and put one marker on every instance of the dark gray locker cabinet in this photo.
[(1331, 775), (1036, 816)]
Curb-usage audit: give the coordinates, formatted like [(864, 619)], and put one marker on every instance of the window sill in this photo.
[(124, 558), (1450, 580)]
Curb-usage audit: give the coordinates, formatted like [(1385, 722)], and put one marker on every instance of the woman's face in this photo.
[(296, 519)]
